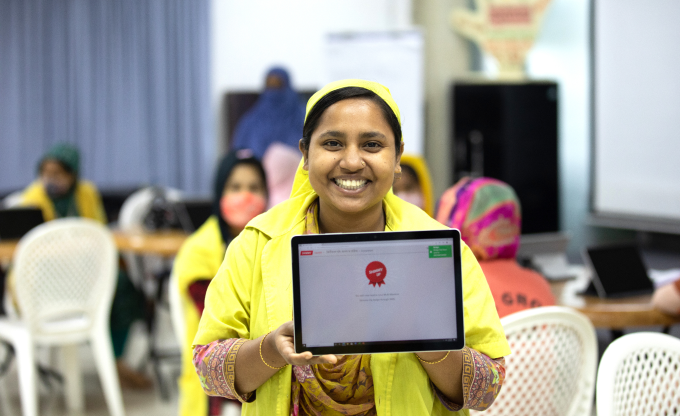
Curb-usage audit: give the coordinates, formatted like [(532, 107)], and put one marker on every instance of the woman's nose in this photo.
[(352, 160)]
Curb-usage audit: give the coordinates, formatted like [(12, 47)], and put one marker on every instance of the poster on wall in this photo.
[(394, 59)]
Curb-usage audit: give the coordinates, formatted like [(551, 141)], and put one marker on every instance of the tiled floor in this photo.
[(136, 402)]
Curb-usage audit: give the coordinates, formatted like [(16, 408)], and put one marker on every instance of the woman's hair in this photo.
[(345, 93)]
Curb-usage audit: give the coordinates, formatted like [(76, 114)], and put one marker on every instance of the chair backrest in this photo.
[(137, 206), (131, 218), (639, 374), (551, 370), (12, 200), (176, 308), (65, 274)]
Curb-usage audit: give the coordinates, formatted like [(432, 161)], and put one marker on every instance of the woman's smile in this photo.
[(351, 184)]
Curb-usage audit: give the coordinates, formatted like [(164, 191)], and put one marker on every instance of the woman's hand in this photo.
[(283, 339)]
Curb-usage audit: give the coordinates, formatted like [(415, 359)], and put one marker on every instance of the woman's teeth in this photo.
[(350, 184)]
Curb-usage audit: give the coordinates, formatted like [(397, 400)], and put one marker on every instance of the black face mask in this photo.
[(55, 191)]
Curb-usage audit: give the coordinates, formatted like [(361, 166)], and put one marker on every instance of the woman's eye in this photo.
[(332, 143), (373, 145)]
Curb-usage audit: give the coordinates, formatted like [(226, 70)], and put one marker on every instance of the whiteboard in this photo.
[(636, 87), (394, 59)]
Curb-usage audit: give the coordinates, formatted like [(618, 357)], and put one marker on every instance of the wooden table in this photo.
[(7, 250), (160, 243), (616, 314)]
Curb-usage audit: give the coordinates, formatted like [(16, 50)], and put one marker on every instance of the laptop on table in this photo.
[(16, 222), (617, 271)]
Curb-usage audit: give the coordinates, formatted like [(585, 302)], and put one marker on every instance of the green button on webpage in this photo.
[(440, 251)]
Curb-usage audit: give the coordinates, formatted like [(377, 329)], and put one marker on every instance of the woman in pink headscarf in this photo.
[(487, 213)]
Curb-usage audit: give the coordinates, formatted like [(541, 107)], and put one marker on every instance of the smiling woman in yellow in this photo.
[(351, 145)]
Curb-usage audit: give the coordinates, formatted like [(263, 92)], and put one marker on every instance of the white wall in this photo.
[(251, 36), (561, 53)]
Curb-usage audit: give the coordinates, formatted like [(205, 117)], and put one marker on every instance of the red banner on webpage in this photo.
[(306, 252)]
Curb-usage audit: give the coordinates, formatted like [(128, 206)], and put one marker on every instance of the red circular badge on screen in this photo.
[(376, 271)]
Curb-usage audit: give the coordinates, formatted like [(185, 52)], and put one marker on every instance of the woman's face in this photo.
[(52, 172), (244, 178), (352, 157), (407, 183)]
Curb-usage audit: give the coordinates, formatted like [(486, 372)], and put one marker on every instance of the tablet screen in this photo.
[(382, 295)]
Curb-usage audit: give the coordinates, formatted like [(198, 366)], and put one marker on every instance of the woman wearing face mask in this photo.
[(415, 185), (59, 192), (351, 145), (240, 194)]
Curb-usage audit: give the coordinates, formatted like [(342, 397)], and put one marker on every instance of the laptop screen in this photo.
[(618, 271), (376, 292), (15, 222)]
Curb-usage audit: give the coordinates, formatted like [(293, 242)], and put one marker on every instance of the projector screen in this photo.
[(636, 106)]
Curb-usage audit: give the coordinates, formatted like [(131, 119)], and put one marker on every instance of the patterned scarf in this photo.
[(487, 213), (344, 388)]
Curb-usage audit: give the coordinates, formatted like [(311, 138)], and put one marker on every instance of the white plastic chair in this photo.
[(65, 273), (551, 370), (176, 308), (639, 374), (131, 218), (12, 200)]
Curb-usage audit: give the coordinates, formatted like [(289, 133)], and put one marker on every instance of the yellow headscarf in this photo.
[(301, 184), (418, 164)]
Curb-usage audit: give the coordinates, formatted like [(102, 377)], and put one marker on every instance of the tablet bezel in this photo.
[(597, 282), (388, 346)]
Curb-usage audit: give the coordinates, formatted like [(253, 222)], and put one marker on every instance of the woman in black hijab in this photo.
[(239, 194)]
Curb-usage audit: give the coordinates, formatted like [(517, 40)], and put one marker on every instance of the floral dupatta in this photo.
[(344, 388)]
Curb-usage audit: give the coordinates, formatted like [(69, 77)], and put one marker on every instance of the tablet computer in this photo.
[(618, 271), (362, 293)]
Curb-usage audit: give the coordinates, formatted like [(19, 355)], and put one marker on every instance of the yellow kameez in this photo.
[(199, 259), (88, 201), (251, 295)]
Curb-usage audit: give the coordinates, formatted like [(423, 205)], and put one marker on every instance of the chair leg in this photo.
[(27, 377), (106, 366), (73, 379)]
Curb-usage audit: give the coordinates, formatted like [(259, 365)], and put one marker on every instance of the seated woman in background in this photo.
[(277, 116), (239, 194), (351, 144), (415, 184), (487, 213), (59, 191), (667, 298)]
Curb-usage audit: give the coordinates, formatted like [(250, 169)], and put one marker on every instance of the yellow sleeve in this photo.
[(200, 256), (89, 202), (227, 312), (34, 196), (483, 329)]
